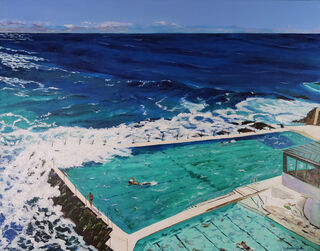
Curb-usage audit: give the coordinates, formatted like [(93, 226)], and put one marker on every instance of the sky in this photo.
[(158, 16)]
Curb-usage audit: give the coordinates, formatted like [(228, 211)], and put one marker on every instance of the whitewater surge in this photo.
[(272, 111)]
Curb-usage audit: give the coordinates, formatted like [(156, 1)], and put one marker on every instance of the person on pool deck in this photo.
[(132, 181), (90, 197)]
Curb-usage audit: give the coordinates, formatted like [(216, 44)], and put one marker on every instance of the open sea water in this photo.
[(69, 99)]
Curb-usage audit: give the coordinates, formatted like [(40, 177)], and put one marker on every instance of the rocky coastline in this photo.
[(94, 231)]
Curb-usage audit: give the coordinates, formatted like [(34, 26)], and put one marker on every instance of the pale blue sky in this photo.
[(162, 15)]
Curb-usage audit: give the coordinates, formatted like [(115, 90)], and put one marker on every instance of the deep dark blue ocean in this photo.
[(58, 89)]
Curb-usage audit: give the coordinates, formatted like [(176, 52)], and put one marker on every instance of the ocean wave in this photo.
[(194, 107), (20, 61), (268, 110), (315, 87), (14, 50), (15, 37), (16, 82)]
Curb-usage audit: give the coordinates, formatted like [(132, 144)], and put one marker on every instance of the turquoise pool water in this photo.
[(224, 229), (181, 175)]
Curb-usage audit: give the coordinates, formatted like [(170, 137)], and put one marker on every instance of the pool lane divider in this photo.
[(121, 241)]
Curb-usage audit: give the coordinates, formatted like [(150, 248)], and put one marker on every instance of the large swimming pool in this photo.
[(181, 175), (225, 229)]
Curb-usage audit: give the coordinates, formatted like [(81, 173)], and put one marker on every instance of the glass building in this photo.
[(303, 163)]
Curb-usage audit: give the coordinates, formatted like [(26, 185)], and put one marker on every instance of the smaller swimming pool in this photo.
[(225, 229), (180, 176)]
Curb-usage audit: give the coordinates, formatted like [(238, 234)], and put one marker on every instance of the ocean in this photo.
[(70, 99)]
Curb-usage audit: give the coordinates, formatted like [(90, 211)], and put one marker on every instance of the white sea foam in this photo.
[(315, 87), (193, 107), (26, 192), (16, 82), (268, 110), (20, 61), (14, 50)]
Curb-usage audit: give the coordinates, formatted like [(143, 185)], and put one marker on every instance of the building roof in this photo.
[(309, 153)]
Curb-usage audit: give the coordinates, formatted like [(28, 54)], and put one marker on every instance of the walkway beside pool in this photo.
[(284, 206), (309, 131)]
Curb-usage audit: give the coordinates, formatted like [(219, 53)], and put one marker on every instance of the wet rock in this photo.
[(247, 122), (285, 98), (309, 119), (200, 134), (94, 231), (62, 229), (30, 229), (261, 125), (244, 130), (300, 96), (223, 133)]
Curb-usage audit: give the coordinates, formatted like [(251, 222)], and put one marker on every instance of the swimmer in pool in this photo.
[(132, 181)]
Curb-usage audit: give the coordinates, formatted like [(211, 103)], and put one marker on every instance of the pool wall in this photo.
[(118, 239), (94, 231)]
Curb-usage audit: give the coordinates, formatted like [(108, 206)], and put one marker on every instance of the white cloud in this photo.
[(165, 23), (106, 24), (160, 23), (69, 26)]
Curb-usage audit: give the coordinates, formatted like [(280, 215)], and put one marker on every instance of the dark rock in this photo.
[(244, 130), (94, 231), (301, 96), (30, 229), (247, 122), (261, 125), (294, 95), (223, 133), (285, 98), (309, 119)]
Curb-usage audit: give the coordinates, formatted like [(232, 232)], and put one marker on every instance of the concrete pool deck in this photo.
[(284, 206), (122, 241)]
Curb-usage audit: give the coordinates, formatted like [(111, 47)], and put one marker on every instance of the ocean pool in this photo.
[(181, 175), (225, 229)]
